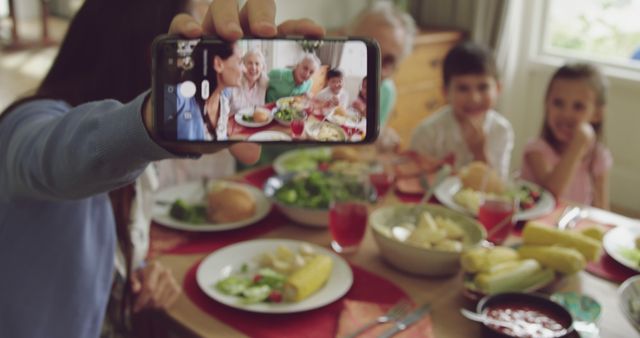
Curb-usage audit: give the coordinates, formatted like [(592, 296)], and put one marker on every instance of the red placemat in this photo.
[(235, 128), (170, 241), (606, 267), (318, 323), (259, 176)]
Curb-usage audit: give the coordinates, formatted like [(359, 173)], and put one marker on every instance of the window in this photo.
[(603, 31)]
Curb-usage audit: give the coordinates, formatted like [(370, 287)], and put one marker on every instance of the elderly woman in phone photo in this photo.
[(292, 82), (227, 72), (253, 86)]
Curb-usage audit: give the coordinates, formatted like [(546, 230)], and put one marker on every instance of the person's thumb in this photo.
[(136, 285)]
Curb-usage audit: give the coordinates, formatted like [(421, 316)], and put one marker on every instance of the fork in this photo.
[(398, 310), (569, 217), (443, 173)]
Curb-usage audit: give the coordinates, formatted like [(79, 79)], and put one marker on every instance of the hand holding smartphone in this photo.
[(265, 90)]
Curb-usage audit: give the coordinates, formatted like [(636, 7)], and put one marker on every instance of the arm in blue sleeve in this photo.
[(49, 150)]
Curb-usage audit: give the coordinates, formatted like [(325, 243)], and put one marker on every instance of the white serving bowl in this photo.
[(629, 291), (414, 259), (316, 217)]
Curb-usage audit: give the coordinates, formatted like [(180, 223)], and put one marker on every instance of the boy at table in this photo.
[(333, 94), (468, 127)]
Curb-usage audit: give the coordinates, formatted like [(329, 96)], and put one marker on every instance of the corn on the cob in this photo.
[(482, 259), (524, 275), (308, 279), (564, 260), (594, 231), (540, 234)]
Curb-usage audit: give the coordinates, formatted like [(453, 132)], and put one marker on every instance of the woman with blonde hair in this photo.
[(253, 86)]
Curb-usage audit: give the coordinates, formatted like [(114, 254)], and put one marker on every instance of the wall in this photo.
[(330, 13)]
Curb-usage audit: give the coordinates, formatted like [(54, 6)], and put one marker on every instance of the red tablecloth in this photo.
[(318, 323)]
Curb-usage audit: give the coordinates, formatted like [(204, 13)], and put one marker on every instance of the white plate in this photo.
[(269, 135), (452, 184), (620, 238), (352, 119), (193, 193), (314, 129), (628, 291), (249, 112), (279, 164), (224, 262)]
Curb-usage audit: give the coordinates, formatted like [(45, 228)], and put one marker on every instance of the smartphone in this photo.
[(280, 90)]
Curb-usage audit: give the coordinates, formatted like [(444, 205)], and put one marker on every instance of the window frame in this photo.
[(542, 57)]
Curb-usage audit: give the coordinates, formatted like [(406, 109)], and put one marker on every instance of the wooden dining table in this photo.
[(186, 319)]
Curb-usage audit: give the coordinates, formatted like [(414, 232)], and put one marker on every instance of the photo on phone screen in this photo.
[(266, 90)]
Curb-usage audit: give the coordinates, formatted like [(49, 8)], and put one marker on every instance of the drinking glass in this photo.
[(382, 178), (348, 216), (297, 126), (496, 214)]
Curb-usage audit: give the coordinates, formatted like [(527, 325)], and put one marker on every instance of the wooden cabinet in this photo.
[(419, 81)]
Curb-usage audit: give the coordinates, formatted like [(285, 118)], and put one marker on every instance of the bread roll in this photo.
[(345, 154), (260, 115), (230, 204), (473, 175), (341, 111)]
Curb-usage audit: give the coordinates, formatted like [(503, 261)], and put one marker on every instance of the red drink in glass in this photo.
[(496, 213), (382, 181), (297, 127), (347, 224)]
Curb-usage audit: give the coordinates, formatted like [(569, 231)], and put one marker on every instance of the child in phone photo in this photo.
[(333, 94), (568, 158), (360, 103), (468, 128)]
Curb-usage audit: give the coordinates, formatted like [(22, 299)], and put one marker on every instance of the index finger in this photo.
[(185, 25), (222, 20), (257, 17)]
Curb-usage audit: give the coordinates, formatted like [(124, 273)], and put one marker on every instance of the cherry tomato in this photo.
[(275, 296)]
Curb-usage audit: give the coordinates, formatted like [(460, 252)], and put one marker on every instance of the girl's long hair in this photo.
[(106, 54), (577, 71)]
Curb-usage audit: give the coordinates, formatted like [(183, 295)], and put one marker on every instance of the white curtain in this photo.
[(507, 52)]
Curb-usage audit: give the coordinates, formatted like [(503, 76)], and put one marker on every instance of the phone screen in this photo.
[(266, 90)]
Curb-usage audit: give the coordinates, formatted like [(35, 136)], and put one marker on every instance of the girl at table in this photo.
[(253, 86), (65, 148), (226, 64), (569, 158), (360, 103)]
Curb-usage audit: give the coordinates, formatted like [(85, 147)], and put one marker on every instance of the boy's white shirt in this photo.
[(326, 94), (439, 134)]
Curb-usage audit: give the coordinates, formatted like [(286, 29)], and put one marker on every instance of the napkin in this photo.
[(355, 314)]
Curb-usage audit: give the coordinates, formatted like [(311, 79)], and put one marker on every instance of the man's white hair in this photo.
[(391, 15), (311, 57)]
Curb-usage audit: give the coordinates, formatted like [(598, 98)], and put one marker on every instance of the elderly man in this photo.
[(292, 82), (394, 30)]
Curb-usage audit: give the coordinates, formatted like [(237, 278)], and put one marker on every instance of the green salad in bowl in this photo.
[(305, 196)]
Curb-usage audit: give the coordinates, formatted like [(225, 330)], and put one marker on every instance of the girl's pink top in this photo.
[(580, 188)]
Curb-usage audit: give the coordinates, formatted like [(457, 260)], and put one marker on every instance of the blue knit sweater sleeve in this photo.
[(51, 151)]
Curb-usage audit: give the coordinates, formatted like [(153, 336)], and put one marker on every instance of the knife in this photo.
[(407, 321)]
